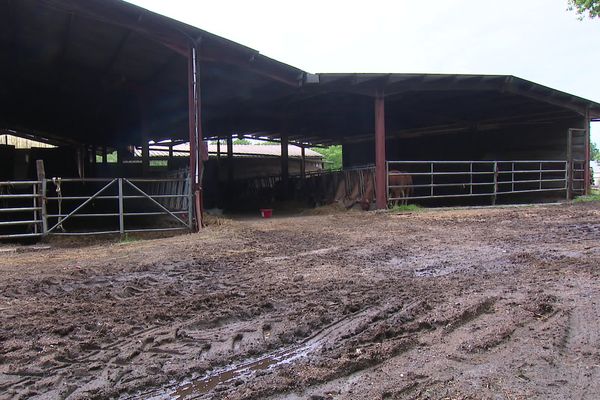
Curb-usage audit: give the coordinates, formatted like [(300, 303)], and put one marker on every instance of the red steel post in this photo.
[(193, 132), (201, 150), (380, 169)]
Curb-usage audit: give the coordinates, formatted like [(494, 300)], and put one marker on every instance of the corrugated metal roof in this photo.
[(133, 47)]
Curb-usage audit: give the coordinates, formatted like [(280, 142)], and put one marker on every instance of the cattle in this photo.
[(369, 192), (400, 187)]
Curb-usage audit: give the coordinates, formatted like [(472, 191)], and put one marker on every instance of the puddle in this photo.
[(24, 249), (245, 370), (434, 271), (204, 385), (317, 252), (427, 271)]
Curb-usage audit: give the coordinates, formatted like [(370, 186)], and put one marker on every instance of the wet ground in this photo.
[(497, 303)]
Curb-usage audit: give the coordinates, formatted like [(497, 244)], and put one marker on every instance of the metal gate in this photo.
[(576, 150), (455, 179), (21, 209), (95, 206)]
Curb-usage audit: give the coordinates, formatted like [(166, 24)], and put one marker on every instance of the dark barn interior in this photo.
[(105, 76)]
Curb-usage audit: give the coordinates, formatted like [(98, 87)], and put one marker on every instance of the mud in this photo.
[(498, 303)]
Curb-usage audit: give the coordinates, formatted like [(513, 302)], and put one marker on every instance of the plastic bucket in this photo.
[(266, 212)]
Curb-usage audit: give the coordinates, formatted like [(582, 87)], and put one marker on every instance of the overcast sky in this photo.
[(537, 40)]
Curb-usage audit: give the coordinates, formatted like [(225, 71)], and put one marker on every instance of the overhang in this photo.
[(106, 72)]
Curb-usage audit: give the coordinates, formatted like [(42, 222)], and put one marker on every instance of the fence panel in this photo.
[(21, 209), (119, 205), (455, 179)]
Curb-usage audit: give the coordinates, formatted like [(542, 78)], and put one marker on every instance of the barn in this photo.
[(99, 79)]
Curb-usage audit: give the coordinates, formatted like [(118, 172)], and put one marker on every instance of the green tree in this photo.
[(241, 141), (586, 7), (595, 152), (333, 156)]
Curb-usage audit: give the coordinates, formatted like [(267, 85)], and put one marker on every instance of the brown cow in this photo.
[(400, 187)]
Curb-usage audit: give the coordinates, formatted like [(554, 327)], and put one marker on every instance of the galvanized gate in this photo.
[(455, 179), (94, 206), (21, 209)]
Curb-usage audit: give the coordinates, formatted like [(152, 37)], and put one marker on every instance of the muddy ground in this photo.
[(499, 303)]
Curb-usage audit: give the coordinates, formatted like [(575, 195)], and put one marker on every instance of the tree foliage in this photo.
[(333, 156), (241, 141), (595, 152), (586, 7)]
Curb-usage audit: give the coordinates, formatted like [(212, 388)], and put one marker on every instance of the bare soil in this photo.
[(497, 303)]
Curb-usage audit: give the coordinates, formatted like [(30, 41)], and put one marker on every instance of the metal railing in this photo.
[(94, 206), (116, 194), (456, 179), (577, 177), (20, 209)]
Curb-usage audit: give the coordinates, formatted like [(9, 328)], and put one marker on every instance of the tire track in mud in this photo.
[(199, 388), (471, 335), (392, 334)]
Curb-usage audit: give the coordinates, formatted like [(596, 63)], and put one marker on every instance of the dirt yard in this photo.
[(497, 303)]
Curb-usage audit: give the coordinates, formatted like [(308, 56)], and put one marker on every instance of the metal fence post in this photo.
[(567, 181), (121, 216), (36, 201), (541, 177), (512, 178), (387, 182), (431, 179), (470, 178), (495, 183), (43, 202)]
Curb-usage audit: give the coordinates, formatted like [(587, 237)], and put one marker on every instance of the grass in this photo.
[(406, 208), (593, 196), (128, 239)]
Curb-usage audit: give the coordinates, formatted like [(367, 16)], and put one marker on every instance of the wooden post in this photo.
[(303, 163), (229, 162), (145, 155), (285, 169), (81, 154), (41, 200), (120, 156), (380, 161)]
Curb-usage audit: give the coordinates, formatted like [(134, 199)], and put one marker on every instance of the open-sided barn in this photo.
[(103, 75)]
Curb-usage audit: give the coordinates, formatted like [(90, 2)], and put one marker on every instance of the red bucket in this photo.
[(266, 212)]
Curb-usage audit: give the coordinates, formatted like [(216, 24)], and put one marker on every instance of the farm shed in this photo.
[(501, 128), (105, 76)]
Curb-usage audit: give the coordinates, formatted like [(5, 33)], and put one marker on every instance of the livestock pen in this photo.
[(96, 108)]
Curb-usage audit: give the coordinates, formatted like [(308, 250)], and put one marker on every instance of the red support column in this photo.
[(195, 131), (380, 167), (192, 115)]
